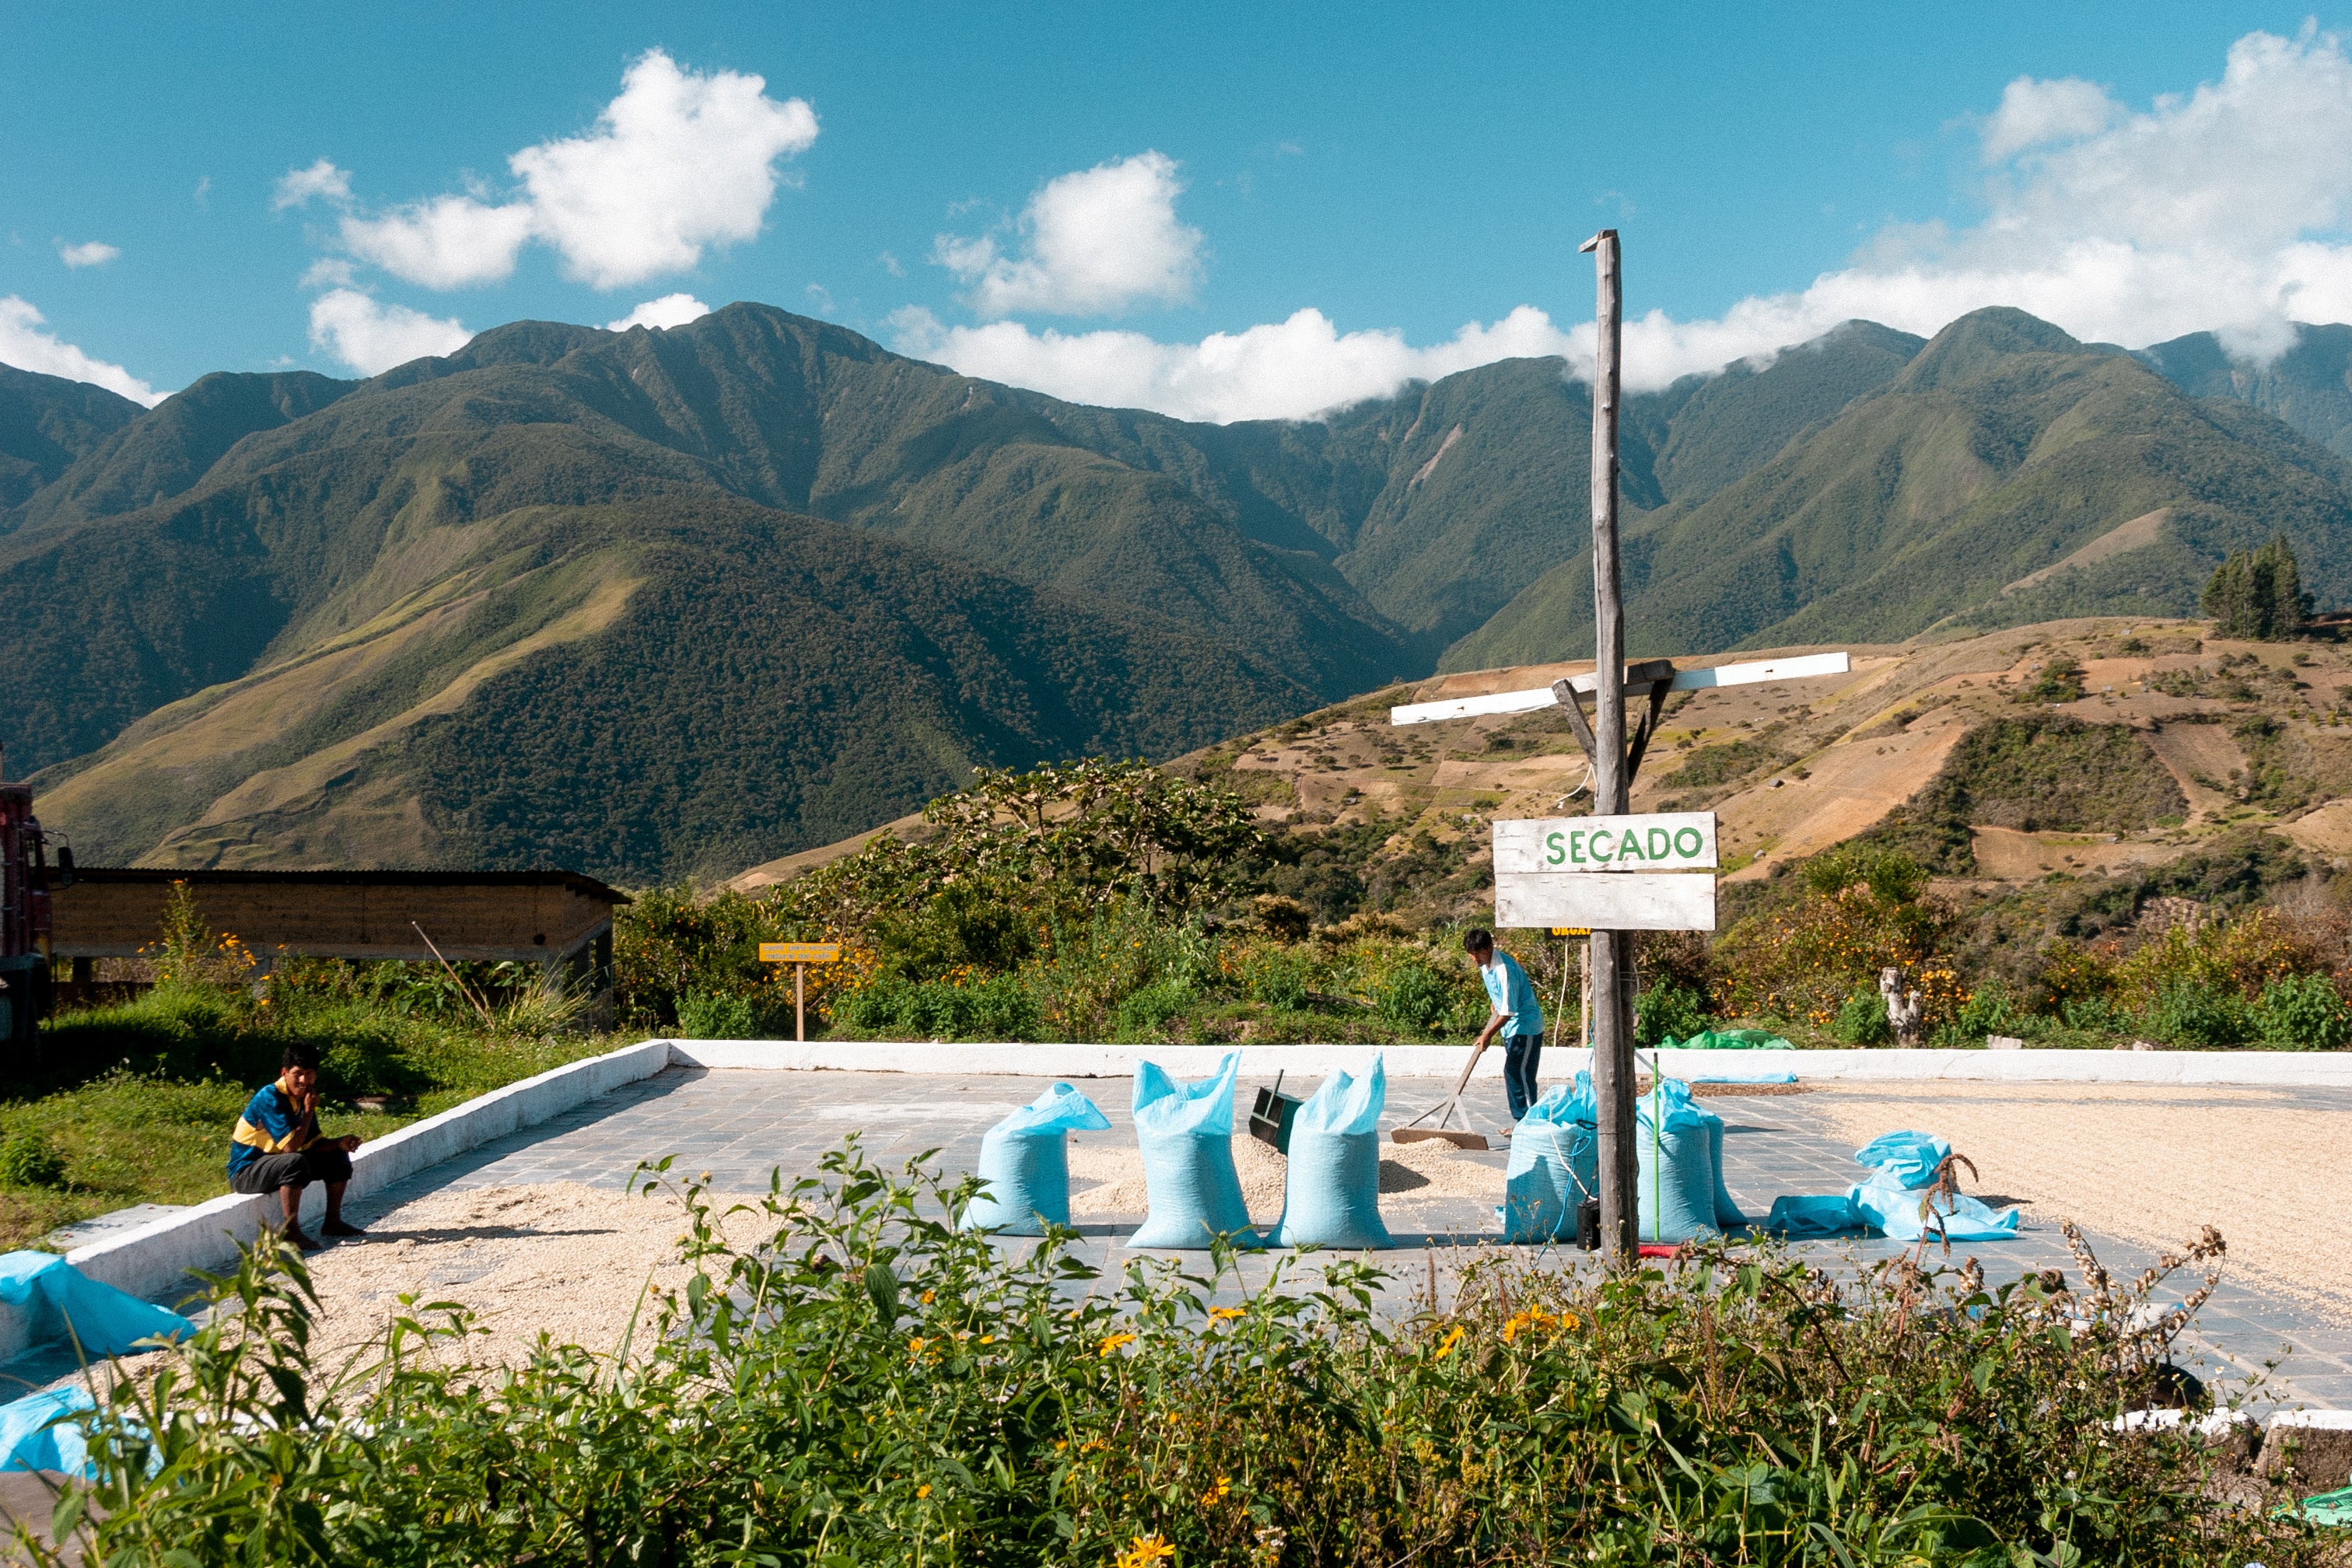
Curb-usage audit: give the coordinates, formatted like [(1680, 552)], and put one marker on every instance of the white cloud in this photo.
[(89, 253), (1092, 243), (1282, 370), (2227, 208), (371, 337), (327, 272), (680, 162), (26, 344), (449, 242), (296, 187), (2036, 113), (669, 311)]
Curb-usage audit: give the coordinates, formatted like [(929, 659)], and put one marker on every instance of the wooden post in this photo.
[(1613, 1032), (1584, 996), (800, 955)]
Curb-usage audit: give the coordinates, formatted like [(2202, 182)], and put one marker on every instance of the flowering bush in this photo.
[(865, 1384), (1857, 913)]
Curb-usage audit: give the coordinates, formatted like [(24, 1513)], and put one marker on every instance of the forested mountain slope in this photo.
[(2009, 474)]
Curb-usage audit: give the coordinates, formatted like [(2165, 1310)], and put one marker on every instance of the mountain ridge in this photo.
[(371, 616)]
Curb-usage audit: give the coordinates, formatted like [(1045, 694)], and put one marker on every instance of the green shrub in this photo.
[(2188, 1012), (1001, 1008), (1413, 996), (1276, 978), (30, 1159), (1146, 1012), (704, 1016), (2303, 1012), (1669, 1010), (860, 1381), (1861, 1020), (1990, 1010)]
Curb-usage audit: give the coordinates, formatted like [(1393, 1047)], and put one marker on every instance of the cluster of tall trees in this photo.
[(2258, 594)]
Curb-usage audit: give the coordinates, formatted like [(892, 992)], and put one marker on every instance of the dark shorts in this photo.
[(299, 1168)]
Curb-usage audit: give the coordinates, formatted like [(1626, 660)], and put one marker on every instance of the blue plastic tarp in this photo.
[(1331, 1187), (61, 1299), (1910, 1158), (1185, 1133), (35, 1433), (1895, 1202), (1024, 1161)]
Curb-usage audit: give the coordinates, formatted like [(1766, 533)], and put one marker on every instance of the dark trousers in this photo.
[(296, 1168), (1520, 1053)]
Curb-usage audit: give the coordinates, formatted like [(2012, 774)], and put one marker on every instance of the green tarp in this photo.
[(1728, 1040)]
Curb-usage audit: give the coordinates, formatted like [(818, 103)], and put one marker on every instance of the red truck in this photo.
[(24, 918)]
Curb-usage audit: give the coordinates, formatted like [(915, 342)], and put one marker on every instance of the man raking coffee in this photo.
[(1518, 1017)]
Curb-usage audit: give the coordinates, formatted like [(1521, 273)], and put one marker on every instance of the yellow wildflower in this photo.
[(1225, 1314), (1446, 1349), (1110, 1343), (1216, 1494), (1146, 1550), (924, 1490)]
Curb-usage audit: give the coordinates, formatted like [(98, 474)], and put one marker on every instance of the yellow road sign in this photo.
[(1571, 931), (799, 952)]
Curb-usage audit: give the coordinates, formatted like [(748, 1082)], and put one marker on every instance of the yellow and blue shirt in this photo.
[(269, 1126)]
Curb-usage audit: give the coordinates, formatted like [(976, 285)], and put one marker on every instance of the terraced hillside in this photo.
[(1973, 752)]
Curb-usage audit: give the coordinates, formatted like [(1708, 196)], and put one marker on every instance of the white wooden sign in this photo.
[(1646, 900), (1660, 841), (1649, 872), (1803, 668)]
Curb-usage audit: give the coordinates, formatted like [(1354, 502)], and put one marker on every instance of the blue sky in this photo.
[(1136, 205)]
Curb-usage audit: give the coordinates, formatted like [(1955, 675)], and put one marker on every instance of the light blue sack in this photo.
[(1678, 1155), (1024, 1161), (29, 1442), (1331, 1190), (1910, 1159), (58, 1298), (1894, 1212), (1554, 1166), (1186, 1134)]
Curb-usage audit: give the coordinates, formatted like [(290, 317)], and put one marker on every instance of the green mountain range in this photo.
[(667, 602)]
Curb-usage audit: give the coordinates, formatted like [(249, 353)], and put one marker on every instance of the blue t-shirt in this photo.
[(1513, 996)]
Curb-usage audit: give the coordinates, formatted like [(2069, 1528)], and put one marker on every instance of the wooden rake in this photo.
[(1462, 1138)]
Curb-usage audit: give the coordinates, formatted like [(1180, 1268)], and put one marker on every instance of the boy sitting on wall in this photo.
[(276, 1148)]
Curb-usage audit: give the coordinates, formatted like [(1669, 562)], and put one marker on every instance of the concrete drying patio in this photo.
[(740, 1124)]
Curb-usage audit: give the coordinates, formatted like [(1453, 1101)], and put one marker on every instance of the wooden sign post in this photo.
[(1613, 1032), (800, 955)]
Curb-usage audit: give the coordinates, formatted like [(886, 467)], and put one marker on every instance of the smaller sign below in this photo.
[(799, 952), (1571, 931), (1656, 901), (1659, 841)]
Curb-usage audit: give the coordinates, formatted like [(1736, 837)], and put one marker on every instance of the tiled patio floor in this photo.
[(740, 1125)]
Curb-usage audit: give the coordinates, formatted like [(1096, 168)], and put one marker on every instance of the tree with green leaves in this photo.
[(2258, 594)]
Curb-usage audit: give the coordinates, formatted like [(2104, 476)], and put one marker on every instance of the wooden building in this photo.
[(547, 918)]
